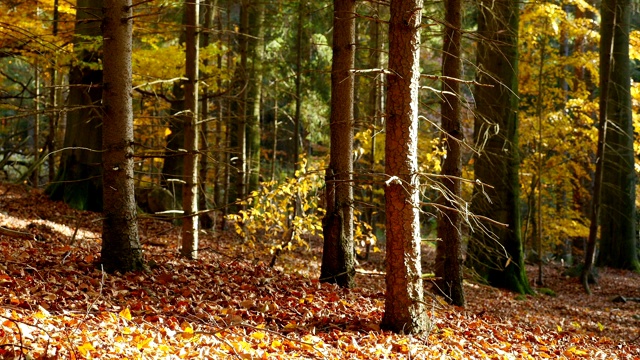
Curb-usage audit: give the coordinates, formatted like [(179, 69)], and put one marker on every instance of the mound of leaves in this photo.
[(57, 303)]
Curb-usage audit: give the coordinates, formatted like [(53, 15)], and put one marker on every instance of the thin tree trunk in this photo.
[(297, 123), (338, 262), (191, 134), (36, 128), (449, 250)]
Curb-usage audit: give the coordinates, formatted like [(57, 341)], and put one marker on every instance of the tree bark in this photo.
[(495, 251), (404, 307), (121, 249), (78, 181), (256, 20), (617, 211), (449, 252), (190, 190), (338, 263)]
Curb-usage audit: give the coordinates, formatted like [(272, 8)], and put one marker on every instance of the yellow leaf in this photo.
[(42, 313), (559, 328), (258, 335), (125, 314), (144, 343), (85, 348)]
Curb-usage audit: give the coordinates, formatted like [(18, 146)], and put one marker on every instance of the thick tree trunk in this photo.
[(449, 252), (190, 191), (404, 307), (121, 249), (617, 211), (79, 178), (495, 251), (338, 263)]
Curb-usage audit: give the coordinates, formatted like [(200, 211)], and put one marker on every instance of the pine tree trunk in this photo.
[(449, 252), (121, 250), (191, 134), (404, 307), (338, 263)]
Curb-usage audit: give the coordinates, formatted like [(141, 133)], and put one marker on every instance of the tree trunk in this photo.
[(449, 252), (121, 249), (79, 178), (256, 20), (404, 307), (617, 212), (297, 122), (338, 263), (190, 191), (495, 251), (205, 222)]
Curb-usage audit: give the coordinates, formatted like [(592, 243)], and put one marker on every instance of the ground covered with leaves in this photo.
[(56, 303)]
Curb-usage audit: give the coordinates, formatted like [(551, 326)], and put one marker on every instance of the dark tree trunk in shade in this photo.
[(618, 207), (449, 252), (404, 307), (78, 181), (121, 249), (338, 263), (495, 251)]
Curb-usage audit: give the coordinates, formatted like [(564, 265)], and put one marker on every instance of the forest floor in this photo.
[(55, 302)]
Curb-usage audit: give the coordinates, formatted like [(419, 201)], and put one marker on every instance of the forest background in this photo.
[(265, 93)]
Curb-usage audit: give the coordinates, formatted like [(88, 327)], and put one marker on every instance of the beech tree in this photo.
[(618, 209), (78, 181), (495, 250), (121, 250), (338, 262), (404, 309), (449, 252)]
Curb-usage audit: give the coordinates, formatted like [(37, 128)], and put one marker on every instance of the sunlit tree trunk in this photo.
[(618, 210), (495, 251), (449, 252), (78, 181), (404, 307), (190, 189), (121, 250), (338, 263)]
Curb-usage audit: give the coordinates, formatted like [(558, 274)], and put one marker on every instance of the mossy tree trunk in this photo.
[(78, 181), (618, 208), (495, 251)]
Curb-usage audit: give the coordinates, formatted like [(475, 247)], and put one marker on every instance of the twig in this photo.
[(15, 233)]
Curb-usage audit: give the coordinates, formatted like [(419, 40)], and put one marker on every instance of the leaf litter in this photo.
[(56, 303)]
